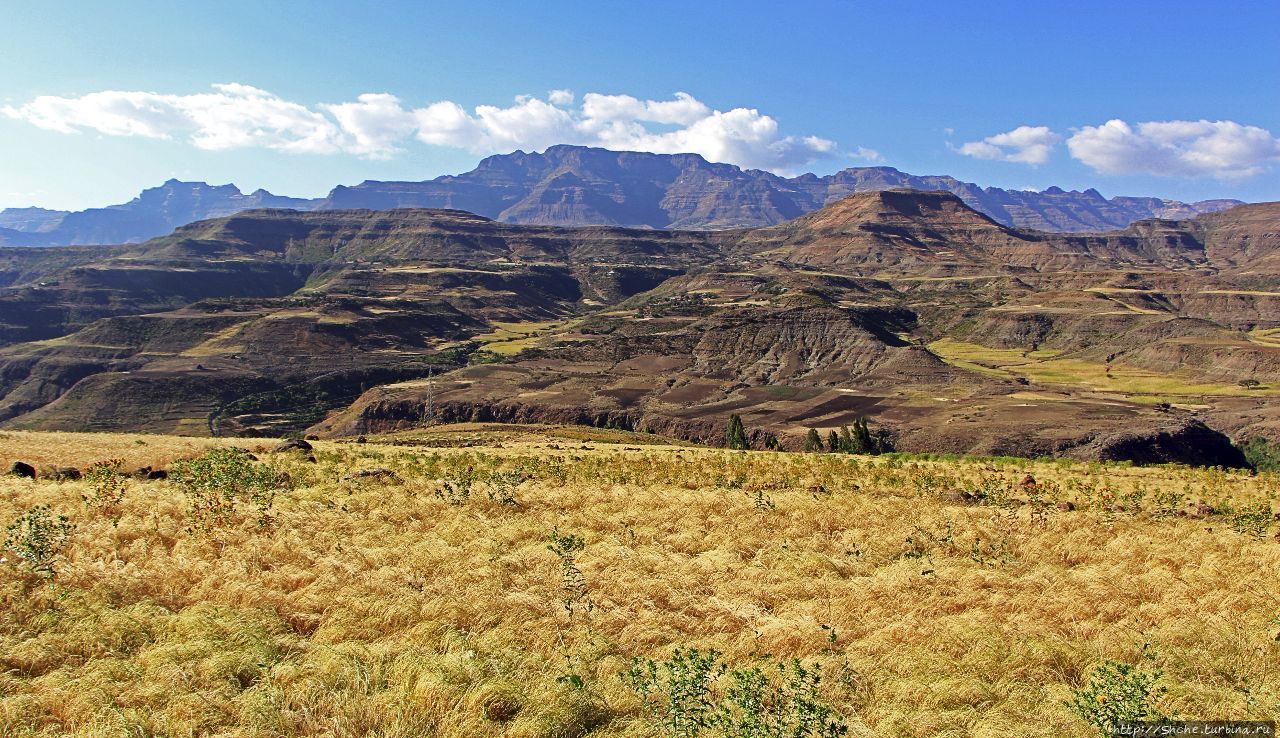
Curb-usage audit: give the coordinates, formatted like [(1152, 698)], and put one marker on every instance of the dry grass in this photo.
[(380, 608)]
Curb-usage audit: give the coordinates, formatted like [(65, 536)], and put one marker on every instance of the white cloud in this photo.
[(1024, 144), (234, 116), (862, 152), (1223, 149), (684, 110), (377, 125)]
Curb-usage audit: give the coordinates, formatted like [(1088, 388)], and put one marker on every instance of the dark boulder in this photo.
[(293, 445), (64, 474), (375, 473)]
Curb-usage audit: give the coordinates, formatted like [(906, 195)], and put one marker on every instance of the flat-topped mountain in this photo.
[(951, 331), (579, 186), (576, 185), (152, 213)]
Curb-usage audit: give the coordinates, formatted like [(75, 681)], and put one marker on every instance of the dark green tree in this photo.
[(737, 436), (833, 442), (862, 440), (813, 442), (847, 444)]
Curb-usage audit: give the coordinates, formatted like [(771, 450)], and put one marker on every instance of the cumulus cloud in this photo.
[(1024, 144), (233, 116), (378, 125), (374, 124), (1223, 149), (862, 152), (560, 97)]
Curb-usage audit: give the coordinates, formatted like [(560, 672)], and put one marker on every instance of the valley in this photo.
[(950, 332)]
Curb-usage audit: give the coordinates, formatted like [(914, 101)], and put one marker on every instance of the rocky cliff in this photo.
[(578, 186), (951, 331)]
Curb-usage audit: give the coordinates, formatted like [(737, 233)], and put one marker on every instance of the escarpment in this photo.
[(947, 330)]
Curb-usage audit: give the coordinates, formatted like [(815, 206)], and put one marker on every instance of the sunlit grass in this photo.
[(508, 339), (378, 607), (1043, 367)]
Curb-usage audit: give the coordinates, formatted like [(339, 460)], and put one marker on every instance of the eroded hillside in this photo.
[(948, 330)]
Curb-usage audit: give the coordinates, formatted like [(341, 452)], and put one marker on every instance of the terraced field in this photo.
[(1050, 367)]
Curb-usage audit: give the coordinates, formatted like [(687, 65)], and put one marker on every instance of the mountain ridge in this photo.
[(577, 186), (951, 331)]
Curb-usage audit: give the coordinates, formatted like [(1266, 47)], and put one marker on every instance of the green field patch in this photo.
[(1044, 366), (509, 339)]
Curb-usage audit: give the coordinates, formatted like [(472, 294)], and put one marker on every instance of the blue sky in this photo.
[(1175, 99)]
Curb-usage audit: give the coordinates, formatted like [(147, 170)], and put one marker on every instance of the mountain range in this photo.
[(580, 186), (950, 331)]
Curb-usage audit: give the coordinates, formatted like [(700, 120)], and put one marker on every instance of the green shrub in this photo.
[(566, 547), (224, 479), (1261, 454), (37, 537), (681, 697), (788, 706), (1118, 693), (106, 486), (677, 693), (736, 437)]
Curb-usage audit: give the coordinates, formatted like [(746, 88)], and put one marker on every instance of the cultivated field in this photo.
[(478, 580)]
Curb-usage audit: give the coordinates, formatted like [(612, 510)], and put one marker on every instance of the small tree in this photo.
[(813, 442), (833, 442), (737, 436), (1250, 383), (862, 440), (847, 444), (107, 486)]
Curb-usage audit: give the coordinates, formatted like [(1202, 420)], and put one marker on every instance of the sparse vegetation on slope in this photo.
[(923, 597)]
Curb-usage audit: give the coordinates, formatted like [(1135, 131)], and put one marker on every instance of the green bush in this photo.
[(677, 693), (787, 706), (218, 483), (37, 537), (681, 697), (1118, 693), (106, 486), (736, 438)]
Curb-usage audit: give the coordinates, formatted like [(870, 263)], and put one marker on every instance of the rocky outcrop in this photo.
[(1185, 442)]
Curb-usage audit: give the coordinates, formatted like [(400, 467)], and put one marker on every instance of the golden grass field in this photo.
[(401, 607)]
